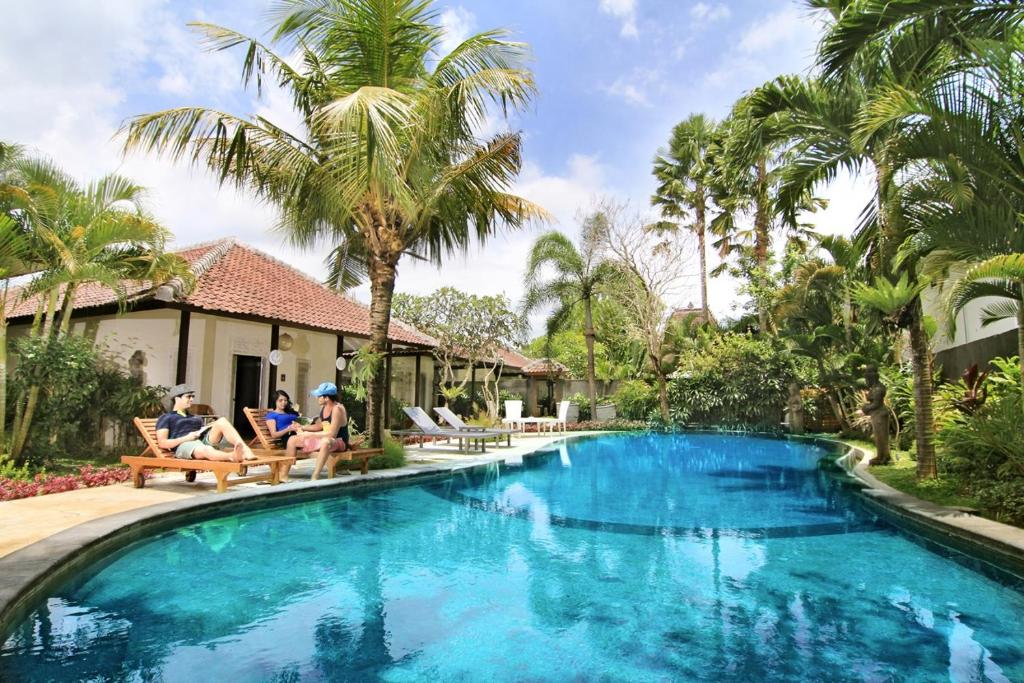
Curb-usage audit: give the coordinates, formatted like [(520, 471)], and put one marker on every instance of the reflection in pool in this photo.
[(624, 557)]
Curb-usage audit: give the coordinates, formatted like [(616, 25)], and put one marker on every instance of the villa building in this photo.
[(219, 336)]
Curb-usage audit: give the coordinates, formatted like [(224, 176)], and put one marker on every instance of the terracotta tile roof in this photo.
[(514, 359), (246, 281), (544, 367), (696, 313)]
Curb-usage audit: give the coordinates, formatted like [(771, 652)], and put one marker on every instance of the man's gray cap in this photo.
[(179, 389)]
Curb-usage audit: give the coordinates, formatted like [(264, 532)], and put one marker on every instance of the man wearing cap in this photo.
[(188, 437), (327, 434)]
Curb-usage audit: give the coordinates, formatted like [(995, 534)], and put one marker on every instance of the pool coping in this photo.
[(32, 570)]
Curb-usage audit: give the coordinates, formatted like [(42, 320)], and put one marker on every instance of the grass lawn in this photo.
[(902, 476), (71, 465)]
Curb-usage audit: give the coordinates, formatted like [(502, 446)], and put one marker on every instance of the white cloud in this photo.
[(624, 10), (705, 13), (458, 24), (784, 27), (636, 88)]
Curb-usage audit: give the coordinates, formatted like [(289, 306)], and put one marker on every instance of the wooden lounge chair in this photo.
[(258, 419), (154, 457)]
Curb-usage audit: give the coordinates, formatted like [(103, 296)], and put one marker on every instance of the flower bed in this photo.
[(41, 484)]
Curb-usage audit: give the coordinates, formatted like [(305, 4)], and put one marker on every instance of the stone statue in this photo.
[(795, 409), (136, 367), (876, 409)]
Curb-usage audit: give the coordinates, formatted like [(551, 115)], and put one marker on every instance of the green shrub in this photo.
[(82, 391), (1003, 499), (393, 456), (733, 380), (583, 401), (635, 399), (8, 470)]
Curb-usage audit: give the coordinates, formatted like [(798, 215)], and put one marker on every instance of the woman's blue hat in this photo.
[(325, 389)]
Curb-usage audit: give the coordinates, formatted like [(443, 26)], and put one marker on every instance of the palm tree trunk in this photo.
[(761, 237), (589, 335), (3, 368), (701, 238), (382, 289), (923, 423), (21, 428), (65, 311), (1020, 338), (663, 395)]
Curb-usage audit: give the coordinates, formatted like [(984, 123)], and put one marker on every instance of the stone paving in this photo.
[(26, 521)]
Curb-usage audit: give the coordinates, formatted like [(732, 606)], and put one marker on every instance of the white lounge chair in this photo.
[(455, 422), (426, 427)]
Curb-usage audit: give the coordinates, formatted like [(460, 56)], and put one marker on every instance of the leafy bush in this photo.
[(616, 425), (635, 399), (1004, 500), (583, 401), (986, 449), (393, 456), (734, 380), (988, 444), (82, 391)]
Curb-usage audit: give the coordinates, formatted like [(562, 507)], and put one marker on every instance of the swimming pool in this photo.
[(622, 557)]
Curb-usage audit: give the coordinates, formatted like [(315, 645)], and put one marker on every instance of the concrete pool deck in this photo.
[(29, 520)]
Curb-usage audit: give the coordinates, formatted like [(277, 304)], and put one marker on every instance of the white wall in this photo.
[(968, 321)]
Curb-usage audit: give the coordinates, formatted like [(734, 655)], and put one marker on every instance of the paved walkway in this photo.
[(25, 521)]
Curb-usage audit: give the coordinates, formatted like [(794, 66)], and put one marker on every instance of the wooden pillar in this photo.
[(179, 374), (531, 396), (416, 385), (275, 339), (340, 349), (387, 389)]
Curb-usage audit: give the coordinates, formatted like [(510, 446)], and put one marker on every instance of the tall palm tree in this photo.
[(578, 273), (747, 167), (387, 162), (685, 174)]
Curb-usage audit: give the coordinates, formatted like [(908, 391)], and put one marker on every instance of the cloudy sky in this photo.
[(614, 77)]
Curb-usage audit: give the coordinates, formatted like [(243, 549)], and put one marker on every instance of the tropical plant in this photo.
[(685, 175), (72, 235), (579, 272), (388, 161), (735, 380)]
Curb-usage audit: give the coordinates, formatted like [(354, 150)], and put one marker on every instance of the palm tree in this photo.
[(579, 272), (747, 166), (388, 162), (685, 174), (74, 235), (938, 78)]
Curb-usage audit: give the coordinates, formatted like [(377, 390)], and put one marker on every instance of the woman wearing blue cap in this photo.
[(327, 434)]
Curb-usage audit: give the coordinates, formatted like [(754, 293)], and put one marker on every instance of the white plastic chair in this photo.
[(563, 415), (514, 414)]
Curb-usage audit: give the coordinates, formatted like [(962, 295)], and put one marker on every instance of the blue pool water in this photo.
[(619, 558)]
